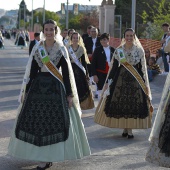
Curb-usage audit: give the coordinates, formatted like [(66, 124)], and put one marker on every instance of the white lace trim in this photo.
[(154, 156), (55, 56), (78, 53), (134, 57)]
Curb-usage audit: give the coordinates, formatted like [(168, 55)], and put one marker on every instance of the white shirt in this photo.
[(94, 43), (166, 40), (107, 52)]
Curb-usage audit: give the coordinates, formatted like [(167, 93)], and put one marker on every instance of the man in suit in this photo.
[(85, 35), (33, 42), (101, 60), (65, 33), (91, 43)]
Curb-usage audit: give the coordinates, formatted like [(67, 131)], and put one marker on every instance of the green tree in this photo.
[(161, 11), (48, 15)]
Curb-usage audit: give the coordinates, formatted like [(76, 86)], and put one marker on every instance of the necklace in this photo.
[(49, 49), (128, 50), (75, 49)]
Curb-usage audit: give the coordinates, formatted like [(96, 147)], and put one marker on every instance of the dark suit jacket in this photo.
[(99, 59), (84, 36), (32, 43), (88, 42)]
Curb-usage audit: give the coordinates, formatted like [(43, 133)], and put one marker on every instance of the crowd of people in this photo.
[(60, 72), (159, 63)]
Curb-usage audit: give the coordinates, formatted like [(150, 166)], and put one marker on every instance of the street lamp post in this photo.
[(44, 12), (19, 18), (24, 16), (32, 18), (67, 16), (133, 14)]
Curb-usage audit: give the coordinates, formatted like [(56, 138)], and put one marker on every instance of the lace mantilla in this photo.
[(55, 55), (134, 56), (78, 53)]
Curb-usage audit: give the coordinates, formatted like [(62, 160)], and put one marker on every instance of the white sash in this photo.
[(65, 41), (45, 59), (23, 36), (75, 59)]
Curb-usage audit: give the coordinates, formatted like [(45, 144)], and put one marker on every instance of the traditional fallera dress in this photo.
[(21, 40), (124, 103), (1, 43), (79, 66), (159, 149), (27, 36), (46, 129)]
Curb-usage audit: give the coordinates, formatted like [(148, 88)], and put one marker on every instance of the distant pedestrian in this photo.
[(1, 41), (21, 40), (33, 42), (166, 30)]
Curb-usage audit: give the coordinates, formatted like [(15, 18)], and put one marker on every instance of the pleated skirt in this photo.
[(75, 147)]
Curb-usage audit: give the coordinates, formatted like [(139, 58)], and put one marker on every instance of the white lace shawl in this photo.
[(63, 49), (160, 115), (134, 57)]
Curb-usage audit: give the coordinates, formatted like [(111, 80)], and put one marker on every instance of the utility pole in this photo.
[(19, 16), (133, 14), (44, 12), (32, 18), (24, 16), (67, 16)]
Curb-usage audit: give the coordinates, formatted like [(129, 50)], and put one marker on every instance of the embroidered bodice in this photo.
[(134, 56), (55, 56), (78, 53)]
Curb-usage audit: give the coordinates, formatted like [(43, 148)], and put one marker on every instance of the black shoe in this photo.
[(130, 137), (45, 167), (124, 134), (96, 96)]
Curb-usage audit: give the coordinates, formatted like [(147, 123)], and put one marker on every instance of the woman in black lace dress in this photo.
[(126, 101), (79, 60)]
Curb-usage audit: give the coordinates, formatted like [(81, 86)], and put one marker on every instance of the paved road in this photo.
[(109, 149)]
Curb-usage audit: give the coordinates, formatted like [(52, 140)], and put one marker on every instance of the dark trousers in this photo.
[(166, 65)]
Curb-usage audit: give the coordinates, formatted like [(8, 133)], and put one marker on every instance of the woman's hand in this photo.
[(95, 78), (70, 101)]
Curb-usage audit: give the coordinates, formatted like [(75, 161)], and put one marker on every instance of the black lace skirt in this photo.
[(81, 83), (44, 117), (1, 44), (21, 42), (126, 99), (164, 137)]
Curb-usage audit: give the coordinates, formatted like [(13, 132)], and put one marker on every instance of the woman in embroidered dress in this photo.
[(124, 103), (27, 36), (159, 149), (49, 127), (1, 41), (21, 40), (79, 60)]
